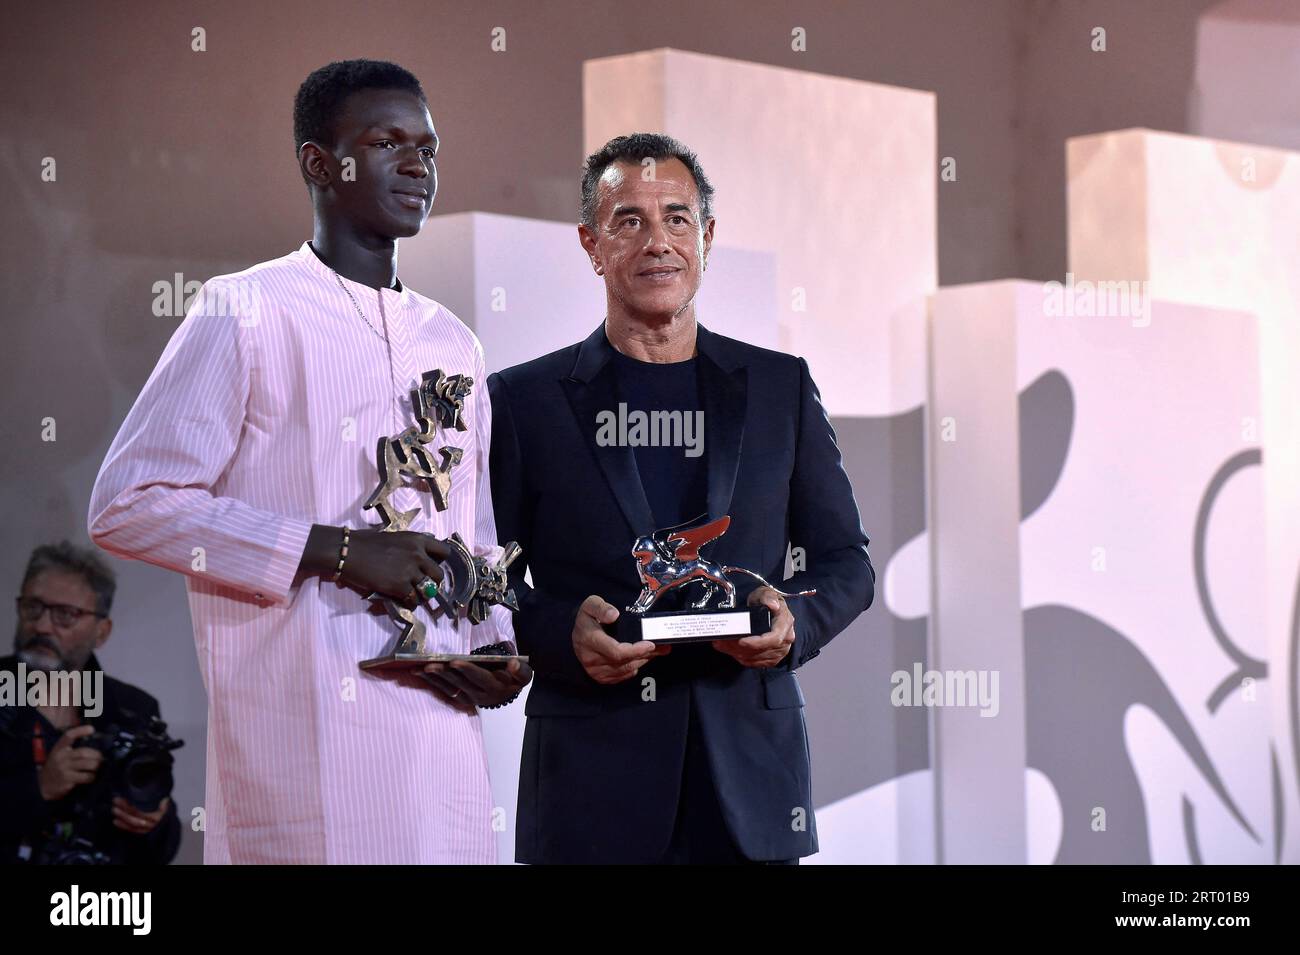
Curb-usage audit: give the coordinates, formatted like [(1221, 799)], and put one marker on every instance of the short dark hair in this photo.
[(63, 556), (321, 96), (635, 148)]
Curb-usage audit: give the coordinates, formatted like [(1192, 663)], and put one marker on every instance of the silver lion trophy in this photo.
[(471, 585), (670, 559)]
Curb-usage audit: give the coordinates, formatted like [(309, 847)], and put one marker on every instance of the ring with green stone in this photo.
[(429, 588)]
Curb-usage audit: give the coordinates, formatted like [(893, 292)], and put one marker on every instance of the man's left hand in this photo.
[(467, 685), (136, 821), (768, 649)]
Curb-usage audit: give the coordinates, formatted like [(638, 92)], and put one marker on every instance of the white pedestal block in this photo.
[(1214, 223), (1247, 58), (1096, 541)]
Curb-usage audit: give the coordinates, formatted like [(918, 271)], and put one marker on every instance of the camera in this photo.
[(137, 766), (137, 763)]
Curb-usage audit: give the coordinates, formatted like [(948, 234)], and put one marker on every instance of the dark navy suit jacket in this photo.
[(602, 765)]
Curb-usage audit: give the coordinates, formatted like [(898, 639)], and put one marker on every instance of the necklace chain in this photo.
[(338, 278), (384, 338)]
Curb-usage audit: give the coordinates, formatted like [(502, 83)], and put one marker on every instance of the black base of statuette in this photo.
[(690, 626)]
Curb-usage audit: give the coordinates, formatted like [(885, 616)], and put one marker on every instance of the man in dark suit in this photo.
[(695, 752)]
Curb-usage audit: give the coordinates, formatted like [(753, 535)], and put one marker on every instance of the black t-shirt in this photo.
[(671, 459), (664, 424)]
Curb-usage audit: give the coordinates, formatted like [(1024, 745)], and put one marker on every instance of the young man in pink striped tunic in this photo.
[(246, 455)]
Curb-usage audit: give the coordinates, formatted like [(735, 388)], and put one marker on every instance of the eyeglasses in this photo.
[(63, 615)]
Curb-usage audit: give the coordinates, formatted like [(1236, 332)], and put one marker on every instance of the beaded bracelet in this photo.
[(501, 649), (343, 555)]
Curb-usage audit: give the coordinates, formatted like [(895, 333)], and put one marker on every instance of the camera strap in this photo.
[(38, 745)]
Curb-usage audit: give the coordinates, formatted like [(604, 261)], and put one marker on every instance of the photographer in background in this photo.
[(86, 783)]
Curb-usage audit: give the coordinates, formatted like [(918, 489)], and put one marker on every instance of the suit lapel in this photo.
[(590, 390), (724, 397)]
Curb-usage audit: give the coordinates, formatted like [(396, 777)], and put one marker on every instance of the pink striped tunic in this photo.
[(260, 419)]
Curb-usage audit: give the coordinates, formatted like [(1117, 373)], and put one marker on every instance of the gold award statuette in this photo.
[(471, 585)]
